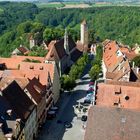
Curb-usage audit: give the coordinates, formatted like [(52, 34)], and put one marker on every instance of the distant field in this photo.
[(65, 5), (52, 4)]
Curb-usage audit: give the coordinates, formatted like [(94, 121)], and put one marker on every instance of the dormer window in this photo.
[(31, 67), (41, 68)]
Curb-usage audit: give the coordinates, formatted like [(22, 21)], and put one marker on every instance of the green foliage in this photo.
[(17, 20), (12, 39), (38, 51), (31, 60), (67, 83), (136, 60), (53, 34), (99, 52), (96, 68), (15, 13), (104, 22), (94, 72), (78, 68)]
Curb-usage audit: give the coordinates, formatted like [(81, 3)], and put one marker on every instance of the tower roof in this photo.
[(84, 22)]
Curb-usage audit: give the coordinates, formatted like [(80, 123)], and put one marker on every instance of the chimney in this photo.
[(119, 103)]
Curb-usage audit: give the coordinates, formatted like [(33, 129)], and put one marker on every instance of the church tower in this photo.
[(84, 33)]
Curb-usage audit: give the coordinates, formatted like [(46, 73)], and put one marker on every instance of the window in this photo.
[(126, 98)]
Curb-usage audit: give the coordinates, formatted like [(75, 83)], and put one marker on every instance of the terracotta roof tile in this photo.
[(23, 50), (22, 58), (107, 94), (115, 61), (19, 101), (31, 70), (22, 82), (112, 124), (36, 90)]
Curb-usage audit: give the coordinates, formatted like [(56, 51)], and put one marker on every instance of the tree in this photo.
[(136, 60), (94, 72), (67, 83)]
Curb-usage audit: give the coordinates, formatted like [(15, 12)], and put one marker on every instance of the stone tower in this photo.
[(32, 42), (66, 45), (84, 33)]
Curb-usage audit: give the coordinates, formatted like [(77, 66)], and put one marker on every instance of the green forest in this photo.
[(20, 20)]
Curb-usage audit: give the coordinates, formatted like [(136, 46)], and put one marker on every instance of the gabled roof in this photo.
[(36, 90), (31, 70), (127, 97), (23, 50), (22, 81), (75, 55), (115, 61), (106, 123), (57, 50), (19, 101), (84, 22), (8, 121)]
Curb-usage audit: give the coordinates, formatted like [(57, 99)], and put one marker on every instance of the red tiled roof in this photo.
[(22, 82), (31, 70), (23, 50), (52, 43), (124, 49), (22, 58), (14, 61), (107, 96), (1, 73), (57, 51), (112, 124), (115, 61), (106, 42), (131, 55), (19, 101), (36, 90)]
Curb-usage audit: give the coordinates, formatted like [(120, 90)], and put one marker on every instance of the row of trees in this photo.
[(68, 82), (96, 63)]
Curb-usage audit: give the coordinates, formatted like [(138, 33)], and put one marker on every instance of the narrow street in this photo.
[(55, 129)]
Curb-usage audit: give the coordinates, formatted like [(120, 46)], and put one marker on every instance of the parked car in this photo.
[(91, 83), (87, 101), (51, 114), (91, 89), (54, 108)]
